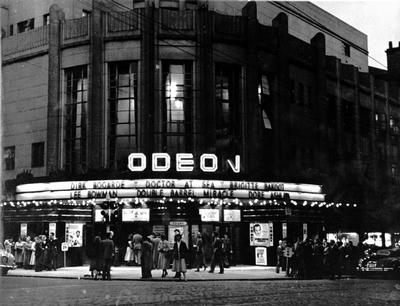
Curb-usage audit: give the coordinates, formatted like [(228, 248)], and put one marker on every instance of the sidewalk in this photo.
[(134, 273)]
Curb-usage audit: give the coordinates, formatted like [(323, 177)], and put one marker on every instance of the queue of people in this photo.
[(38, 254), (318, 258)]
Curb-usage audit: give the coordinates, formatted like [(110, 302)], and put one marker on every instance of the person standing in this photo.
[(199, 248), (147, 257), (227, 251), (19, 248), (129, 256), (33, 256), (27, 252), (38, 254), (137, 248), (180, 255), (163, 249), (53, 252), (279, 255), (96, 257), (108, 253), (155, 241), (217, 254)]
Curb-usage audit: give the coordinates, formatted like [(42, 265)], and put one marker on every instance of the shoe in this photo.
[(163, 275), (220, 272), (197, 270), (211, 271)]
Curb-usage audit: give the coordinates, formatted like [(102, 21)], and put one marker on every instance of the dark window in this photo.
[(9, 158), (177, 107), (365, 117), (46, 19), (331, 112), (76, 118), (123, 112), (26, 25), (348, 116), (226, 99), (309, 100), (292, 91), (11, 29), (346, 48), (300, 94), (37, 159)]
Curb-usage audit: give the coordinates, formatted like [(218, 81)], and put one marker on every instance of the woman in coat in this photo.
[(96, 264), (33, 256), (38, 254), (180, 255), (19, 248), (147, 258), (200, 257), (163, 260)]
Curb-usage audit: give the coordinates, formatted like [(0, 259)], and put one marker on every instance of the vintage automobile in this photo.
[(7, 261), (383, 261)]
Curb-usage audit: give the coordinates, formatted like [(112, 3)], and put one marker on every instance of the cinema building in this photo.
[(146, 116)]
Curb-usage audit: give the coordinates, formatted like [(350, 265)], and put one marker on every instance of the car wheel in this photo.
[(4, 271)]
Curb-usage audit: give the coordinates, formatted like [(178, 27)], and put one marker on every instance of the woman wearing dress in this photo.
[(163, 260), (19, 248), (129, 255), (180, 254)]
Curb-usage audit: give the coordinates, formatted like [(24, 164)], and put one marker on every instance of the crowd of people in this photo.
[(319, 258), (39, 253), (155, 252)]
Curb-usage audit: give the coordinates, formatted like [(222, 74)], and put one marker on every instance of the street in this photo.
[(47, 291)]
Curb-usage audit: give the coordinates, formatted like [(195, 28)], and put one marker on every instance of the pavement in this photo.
[(134, 273)]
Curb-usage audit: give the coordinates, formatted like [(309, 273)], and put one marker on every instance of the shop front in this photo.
[(253, 215)]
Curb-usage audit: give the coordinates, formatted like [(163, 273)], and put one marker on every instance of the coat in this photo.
[(183, 250), (108, 249)]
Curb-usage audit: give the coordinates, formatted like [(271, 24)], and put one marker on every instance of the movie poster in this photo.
[(261, 234), (261, 256), (73, 234)]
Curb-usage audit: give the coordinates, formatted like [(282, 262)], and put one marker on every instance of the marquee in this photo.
[(168, 188)]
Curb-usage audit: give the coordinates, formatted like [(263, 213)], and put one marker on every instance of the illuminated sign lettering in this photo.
[(137, 162)]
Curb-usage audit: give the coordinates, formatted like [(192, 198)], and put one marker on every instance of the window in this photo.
[(331, 112), (86, 13), (76, 118), (264, 100), (393, 170), (300, 94), (346, 48), (11, 29), (9, 158), (177, 107), (292, 91), (348, 116), (26, 25), (227, 113), (123, 80), (37, 159), (365, 125), (46, 19), (309, 99)]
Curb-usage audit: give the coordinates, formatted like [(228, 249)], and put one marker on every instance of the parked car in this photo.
[(386, 261), (7, 261)]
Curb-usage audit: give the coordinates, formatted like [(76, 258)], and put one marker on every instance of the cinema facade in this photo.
[(167, 116)]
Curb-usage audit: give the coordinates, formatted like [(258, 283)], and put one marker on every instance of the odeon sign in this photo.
[(184, 162), (168, 188)]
